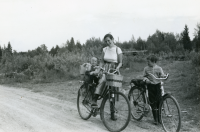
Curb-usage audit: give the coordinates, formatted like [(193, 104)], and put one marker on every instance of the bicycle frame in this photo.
[(114, 113), (108, 91), (144, 91), (167, 112)]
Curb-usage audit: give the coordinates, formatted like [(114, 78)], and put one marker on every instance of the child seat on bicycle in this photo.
[(138, 82), (90, 73)]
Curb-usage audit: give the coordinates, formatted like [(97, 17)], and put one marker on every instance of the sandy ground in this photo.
[(25, 111)]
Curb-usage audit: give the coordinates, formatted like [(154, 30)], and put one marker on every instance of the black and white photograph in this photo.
[(99, 66)]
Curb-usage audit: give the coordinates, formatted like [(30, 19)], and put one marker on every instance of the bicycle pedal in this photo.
[(94, 106), (96, 112), (169, 115), (139, 111)]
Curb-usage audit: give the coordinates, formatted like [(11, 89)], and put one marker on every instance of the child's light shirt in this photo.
[(156, 71)]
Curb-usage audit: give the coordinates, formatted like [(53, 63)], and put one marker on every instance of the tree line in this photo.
[(159, 41), (63, 61)]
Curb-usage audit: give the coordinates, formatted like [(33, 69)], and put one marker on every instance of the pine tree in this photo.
[(1, 52), (186, 39), (71, 45), (44, 47), (9, 48), (56, 49), (197, 38), (52, 51), (140, 44), (78, 45), (132, 42)]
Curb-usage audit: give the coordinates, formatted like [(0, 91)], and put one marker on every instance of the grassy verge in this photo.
[(183, 83)]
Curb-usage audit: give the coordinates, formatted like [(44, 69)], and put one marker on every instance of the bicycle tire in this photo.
[(137, 102), (170, 114), (122, 112), (83, 103)]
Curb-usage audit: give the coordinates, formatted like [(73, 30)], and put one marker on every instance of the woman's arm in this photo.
[(120, 61), (101, 62)]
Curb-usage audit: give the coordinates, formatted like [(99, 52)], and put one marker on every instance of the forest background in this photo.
[(62, 62)]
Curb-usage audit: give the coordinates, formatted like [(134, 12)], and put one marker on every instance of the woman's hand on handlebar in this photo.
[(107, 72)]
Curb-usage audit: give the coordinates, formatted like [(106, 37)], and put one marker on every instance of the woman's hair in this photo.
[(108, 35), (152, 58)]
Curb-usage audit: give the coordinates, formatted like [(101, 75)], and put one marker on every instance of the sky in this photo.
[(27, 24)]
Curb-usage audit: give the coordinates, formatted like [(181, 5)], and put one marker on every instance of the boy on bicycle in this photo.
[(154, 86)]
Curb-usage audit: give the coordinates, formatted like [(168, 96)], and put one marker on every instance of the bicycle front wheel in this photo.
[(115, 112), (83, 103), (170, 114), (137, 102)]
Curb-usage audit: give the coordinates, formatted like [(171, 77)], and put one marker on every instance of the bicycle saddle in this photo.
[(138, 82)]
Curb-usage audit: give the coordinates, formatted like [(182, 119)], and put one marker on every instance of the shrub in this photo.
[(195, 57)]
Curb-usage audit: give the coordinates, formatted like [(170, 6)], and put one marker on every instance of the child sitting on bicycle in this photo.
[(92, 72), (154, 86)]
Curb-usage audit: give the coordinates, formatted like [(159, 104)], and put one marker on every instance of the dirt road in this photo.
[(24, 111)]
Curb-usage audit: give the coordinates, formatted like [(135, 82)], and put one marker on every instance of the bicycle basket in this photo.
[(114, 80)]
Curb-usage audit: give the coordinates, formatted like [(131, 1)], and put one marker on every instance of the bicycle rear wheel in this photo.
[(115, 112), (83, 103), (137, 102), (170, 114)]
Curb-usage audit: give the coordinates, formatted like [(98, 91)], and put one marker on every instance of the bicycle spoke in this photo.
[(137, 103), (83, 103), (87, 107), (141, 106), (170, 115), (116, 114)]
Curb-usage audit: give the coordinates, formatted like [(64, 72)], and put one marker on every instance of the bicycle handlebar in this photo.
[(107, 72), (162, 78)]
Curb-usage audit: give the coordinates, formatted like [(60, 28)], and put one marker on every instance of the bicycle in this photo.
[(113, 102), (169, 110)]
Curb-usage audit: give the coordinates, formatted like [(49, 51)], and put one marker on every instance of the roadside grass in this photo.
[(62, 90), (183, 84), (37, 90)]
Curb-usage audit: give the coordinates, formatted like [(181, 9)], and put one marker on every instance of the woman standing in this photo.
[(111, 58)]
